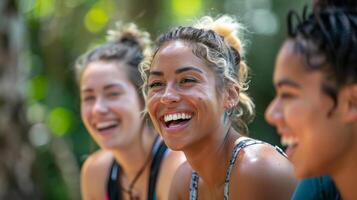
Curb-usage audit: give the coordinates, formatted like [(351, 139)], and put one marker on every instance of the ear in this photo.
[(350, 95), (231, 98)]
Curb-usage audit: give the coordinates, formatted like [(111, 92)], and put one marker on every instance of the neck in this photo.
[(135, 156), (346, 177), (218, 146)]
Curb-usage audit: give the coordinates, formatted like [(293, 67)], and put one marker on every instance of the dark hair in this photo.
[(216, 42), (327, 39), (126, 44), (322, 4)]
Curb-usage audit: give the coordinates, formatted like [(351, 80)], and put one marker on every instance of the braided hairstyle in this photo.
[(216, 42), (327, 40), (126, 44)]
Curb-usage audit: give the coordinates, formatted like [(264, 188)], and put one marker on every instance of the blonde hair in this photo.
[(216, 41)]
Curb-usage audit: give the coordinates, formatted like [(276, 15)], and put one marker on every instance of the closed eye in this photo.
[(155, 84), (286, 95), (88, 98)]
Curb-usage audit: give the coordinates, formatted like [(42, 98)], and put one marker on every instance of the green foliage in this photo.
[(37, 88), (186, 8), (98, 16), (60, 121)]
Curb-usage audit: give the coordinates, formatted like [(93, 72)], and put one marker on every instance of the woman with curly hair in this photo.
[(196, 91)]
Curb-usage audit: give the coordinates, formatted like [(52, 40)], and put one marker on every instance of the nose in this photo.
[(170, 95), (274, 114), (100, 106)]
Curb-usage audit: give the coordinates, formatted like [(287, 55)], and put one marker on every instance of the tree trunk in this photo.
[(16, 153)]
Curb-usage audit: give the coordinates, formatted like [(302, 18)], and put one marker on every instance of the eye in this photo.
[(188, 80), (113, 94), (155, 84), (286, 95), (88, 98)]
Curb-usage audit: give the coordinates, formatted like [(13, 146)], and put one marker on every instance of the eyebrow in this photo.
[(178, 71), (188, 68), (113, 85), (286, 82)]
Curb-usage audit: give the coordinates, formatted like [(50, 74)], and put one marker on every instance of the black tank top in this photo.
[(159, 150)]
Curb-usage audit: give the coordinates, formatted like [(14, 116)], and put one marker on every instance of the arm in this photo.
[(263, 173), (168, 169), (94, 174)]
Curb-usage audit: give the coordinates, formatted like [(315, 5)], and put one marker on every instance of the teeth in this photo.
[(106, 124), (288, 141), (177, 116)]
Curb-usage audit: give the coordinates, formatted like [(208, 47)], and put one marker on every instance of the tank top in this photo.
[(158, 151), (241, 145)]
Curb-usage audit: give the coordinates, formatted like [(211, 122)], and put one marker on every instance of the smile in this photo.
[(176, 118)]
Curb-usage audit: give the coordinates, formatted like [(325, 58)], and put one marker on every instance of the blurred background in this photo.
[(42, 140)]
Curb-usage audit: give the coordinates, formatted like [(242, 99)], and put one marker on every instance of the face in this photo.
[(300, 112), (182, 98), (110, 105)]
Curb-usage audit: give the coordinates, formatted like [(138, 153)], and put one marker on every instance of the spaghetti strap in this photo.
[(195, 178), (241, 145)]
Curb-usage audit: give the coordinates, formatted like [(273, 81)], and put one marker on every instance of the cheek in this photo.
[(151, 104), (294, 112), (85, 112)]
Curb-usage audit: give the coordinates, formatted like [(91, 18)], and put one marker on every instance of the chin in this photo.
[(174, 145), (306, 172)]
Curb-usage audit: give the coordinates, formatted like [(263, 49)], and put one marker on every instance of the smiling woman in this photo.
[(195, 87), (133, 162), (315, 109)]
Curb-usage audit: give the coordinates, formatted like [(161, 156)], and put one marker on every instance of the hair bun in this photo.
[(224, 26), (129, 33)]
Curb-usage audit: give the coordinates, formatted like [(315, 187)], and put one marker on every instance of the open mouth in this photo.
[(290, 143), (107, 125), (176, 119)]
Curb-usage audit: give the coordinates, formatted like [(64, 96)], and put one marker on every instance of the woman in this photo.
[(195, 85), (315, 107), (133, 162)]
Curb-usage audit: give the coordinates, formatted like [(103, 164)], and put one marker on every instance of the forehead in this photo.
[(290, 65), (289, 61), (103, 71), (175, 54)]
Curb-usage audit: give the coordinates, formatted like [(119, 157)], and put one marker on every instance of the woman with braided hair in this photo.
[(315, 108), (133, 162), (195, 86)]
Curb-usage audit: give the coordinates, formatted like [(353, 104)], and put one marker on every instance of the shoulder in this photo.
[(94, 174), (180, 186), (262, 170), (169, 166)]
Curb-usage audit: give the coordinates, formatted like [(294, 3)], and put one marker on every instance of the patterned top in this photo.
[(242, 144)]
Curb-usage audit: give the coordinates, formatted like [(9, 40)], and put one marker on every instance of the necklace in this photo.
[(129, 191)]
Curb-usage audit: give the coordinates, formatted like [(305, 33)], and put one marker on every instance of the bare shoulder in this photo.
[(180, 186), (261, 172), (94, 175), (169, 166)]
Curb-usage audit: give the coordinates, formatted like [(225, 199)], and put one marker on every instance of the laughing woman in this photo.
[(315, 109), (195, 84), (133, 162)]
